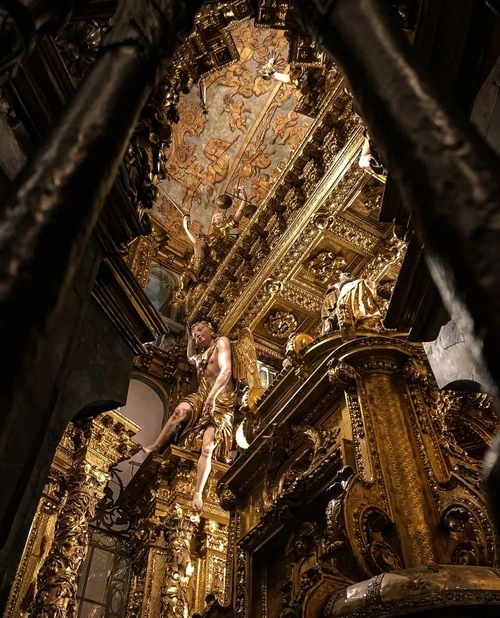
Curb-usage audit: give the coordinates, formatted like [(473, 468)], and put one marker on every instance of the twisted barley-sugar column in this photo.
[(57, 581)]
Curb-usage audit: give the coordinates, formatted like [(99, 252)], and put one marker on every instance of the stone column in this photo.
[(100, 443)]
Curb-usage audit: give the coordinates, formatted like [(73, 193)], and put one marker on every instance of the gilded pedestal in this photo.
[(365, 468), (178, 555)]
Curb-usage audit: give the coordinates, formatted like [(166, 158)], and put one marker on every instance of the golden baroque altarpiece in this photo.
[(360, 491)]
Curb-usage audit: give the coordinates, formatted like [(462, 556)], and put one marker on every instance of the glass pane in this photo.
[(83, 572), (98, 576), (119, 587), (89, 610)]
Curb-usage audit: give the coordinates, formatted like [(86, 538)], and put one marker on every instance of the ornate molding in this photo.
[(268, 216), (280, 324)]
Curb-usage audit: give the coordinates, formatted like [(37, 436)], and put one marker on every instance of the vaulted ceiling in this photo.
[(246, 138)]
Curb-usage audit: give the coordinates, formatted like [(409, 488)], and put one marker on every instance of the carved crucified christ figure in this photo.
[(209, 411)]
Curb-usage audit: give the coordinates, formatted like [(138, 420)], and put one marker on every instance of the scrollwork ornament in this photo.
[(341, 373), (467, 553), (384, 556), (337, 549), (467, 534), (454, 518)]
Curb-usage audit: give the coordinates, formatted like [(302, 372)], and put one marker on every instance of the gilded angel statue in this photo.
[(223, 368)]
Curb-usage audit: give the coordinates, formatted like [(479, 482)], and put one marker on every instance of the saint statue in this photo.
[(351, 304)]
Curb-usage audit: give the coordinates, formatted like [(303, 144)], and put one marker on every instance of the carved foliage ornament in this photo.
[(280, 324), (175, 595), (470, 542), (326, 265), (57, 579)]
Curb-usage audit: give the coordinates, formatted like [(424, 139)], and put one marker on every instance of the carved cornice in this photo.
[(169, 478), (285, 402), (293, 244), (105, 440)]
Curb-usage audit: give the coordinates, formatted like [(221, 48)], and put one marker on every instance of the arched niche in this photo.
[(145, 406)]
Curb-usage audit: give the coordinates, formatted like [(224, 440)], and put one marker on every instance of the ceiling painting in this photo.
[(246, 139)]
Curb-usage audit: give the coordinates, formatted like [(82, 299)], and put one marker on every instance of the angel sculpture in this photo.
[(205, 246), (297, 76), (209, 412)]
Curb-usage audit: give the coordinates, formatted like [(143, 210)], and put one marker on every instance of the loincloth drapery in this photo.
[(222, 420)]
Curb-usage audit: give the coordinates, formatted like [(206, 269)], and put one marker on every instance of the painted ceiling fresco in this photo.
[(246, 139)]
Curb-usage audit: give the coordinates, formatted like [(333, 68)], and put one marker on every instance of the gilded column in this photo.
[(100, 443), (211, 564), (170, 578), (143, 251), (42, 529), (181, 527), (413, 498)]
